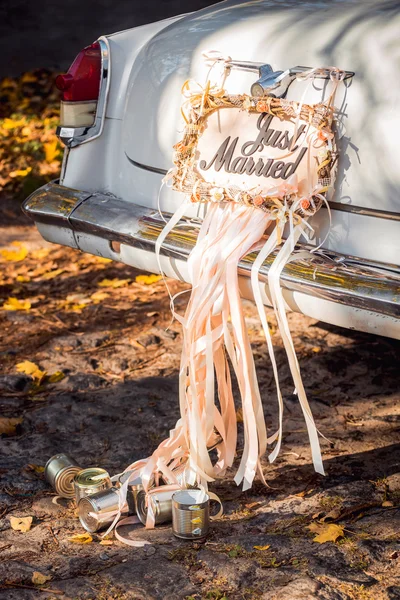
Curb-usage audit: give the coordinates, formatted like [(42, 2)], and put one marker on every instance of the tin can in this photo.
[(182, 475), (99, 510), (90, 481), (161, 502), (60, 471), (134, 487), (190, 514)]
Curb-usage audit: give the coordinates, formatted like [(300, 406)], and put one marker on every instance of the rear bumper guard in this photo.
[(351, 281)]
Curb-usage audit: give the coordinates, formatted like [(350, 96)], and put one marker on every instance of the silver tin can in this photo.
[(91, 481), (183, 477), (60, 471), (161, 501), (190, 514), (134, 487), (98, 511)]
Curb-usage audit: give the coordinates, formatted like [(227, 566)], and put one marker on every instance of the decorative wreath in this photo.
[(201, 103)]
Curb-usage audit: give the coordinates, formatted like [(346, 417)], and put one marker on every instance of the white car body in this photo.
[(131, 149)]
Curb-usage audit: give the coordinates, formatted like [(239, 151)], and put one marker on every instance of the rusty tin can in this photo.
[(60, 472), (98, 511), (161, 501), (91, 481), (190, 514), (134, 487)]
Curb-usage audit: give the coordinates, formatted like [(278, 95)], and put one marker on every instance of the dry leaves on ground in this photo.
[(39, 579), (326, 532), (81, 538), (147, 279), (21, 523), (30, 153), (15, 304), (9, 426)]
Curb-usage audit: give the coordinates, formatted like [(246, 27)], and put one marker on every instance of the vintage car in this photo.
[(120, 117)]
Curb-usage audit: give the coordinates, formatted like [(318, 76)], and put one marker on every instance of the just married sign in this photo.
[(248, 149)]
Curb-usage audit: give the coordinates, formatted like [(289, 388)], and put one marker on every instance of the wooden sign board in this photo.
[(253, 150)]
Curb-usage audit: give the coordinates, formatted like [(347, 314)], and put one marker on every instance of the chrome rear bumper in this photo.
[(374, 287)]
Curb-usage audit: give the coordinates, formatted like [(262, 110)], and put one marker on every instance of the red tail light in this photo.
[(82, 81)]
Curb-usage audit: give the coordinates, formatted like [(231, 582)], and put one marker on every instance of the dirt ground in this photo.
[(116, 399)]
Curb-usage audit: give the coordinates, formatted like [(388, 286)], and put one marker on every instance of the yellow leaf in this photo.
[(9, 426), (78, 298), (81, 538), (55, 377), (52, 274), (147, 279), (7, 82), (26, 131), (30, 368), (102, 259), (50, 150), (20, 253), (39, 578), (20, 172), (15, 304), (326, 532), (40, 253), (13, 123), (76, 308), (387, 503), (35, 468), (28, 78), (261, 547), (21, 523), (23, 278), (113, 283), (99, 296)]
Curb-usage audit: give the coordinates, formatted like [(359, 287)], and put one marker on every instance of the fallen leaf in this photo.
[(21, 523), (55, 377), (28, 78), (20, 172), (316, 349), (52, 274), (326, 532), (147, 279), (35, 468), (99, 296), (39, 578), (106, 543), (81, 538), (23, 278), (13, 123), (261, 547), (30, 368), (40, 253), (113, 283), (50, 150), (15, 304), (16, 255), (75, 298), (102, 259), (9, 426), (387, 503)]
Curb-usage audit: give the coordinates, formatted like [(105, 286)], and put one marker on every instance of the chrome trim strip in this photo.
[(364, 211), (331, 276), (74, 136), (146, 167)]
